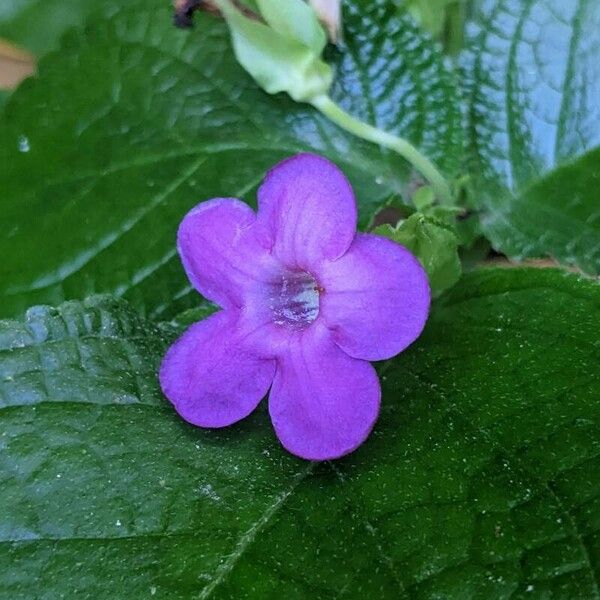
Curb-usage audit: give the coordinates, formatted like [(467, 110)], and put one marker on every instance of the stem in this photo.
[(404, 148)]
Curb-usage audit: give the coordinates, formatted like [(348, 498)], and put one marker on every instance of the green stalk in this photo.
[(404, 148)]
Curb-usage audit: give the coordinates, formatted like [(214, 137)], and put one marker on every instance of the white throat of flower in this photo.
[(294, 299)]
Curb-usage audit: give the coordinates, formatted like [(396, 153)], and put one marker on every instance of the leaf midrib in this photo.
[(247, 539)]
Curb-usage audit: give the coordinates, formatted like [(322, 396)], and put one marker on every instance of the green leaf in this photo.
[(135, 122), (103, 488), (433, 242), (431, 14), (474, 248), (424, 198), (444, 19), (190, 316), (38, 24), (479, 481), (98, 351), (533, 107), (4, 94), (558, 215)]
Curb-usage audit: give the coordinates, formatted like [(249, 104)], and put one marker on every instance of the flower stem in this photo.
[(403, 147)]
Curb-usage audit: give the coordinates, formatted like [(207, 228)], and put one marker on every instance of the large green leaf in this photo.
[(479, 481), (532, 106), (134, 122)]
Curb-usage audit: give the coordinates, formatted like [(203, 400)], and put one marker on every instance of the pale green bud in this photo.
[(283, 55)]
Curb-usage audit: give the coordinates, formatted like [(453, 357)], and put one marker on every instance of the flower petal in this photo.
[(323, 403), (306, 210), (376, 298), (210, 376), (220, 251)]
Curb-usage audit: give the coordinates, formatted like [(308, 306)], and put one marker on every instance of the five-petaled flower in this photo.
[(306, 303)]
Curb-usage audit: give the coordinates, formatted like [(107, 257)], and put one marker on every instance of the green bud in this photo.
[(433, 242), (284, 54), (295, 20), (424, 197)]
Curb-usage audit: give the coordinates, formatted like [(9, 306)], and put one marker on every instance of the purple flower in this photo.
[(306, 303)]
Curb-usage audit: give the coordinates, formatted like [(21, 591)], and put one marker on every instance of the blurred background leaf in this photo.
[(533, 80), (37, 25), (443, 19)]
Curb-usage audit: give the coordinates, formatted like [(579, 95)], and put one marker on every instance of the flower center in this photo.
[(294, 299)]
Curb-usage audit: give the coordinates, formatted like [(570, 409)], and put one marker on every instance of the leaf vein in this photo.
[(246, 540)]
